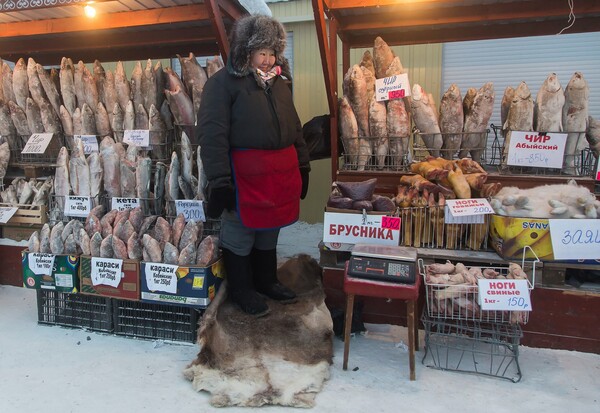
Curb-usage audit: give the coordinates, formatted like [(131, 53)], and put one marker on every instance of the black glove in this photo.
[(304, 175), (219, 199)]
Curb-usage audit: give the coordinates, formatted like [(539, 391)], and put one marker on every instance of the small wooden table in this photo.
[(372, 288)]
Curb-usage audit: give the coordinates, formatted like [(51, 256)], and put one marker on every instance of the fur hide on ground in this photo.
[(282, 358)]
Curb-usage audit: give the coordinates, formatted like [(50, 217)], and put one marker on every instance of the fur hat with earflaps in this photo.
[(254, 33)]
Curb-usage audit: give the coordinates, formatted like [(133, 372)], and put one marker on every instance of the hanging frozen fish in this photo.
[(96, 173), (56, 243), (67, 86), (111, 166), (193, 75), (122, 85), (7, 127), (99, 76), (102, 121), (50, 118), (28, 191), (19, 118), (90, 92), (79, 171), (9, 195), (187, 256), (45, 239), (178, 227), (95, 244), (20, 83), (78, 83), (136, 217), (41, 197), (208, 250), (187, 158), (48, 87), (170, 254), (151, 251), (162, 232), (128, 183), (158, 134), (181, 106), (34, 117), (398, 126), (549, 102), (67, 124), (143, 174), (358, 99), (520, 115), (166, 114), (134, 247), (378, 130), (62, 186), (159, 188), (33, 244), (109, 95), (509, 94), (451, 121), (77, 123), (592, 135), (348, 131), (382, 57), (370, 82), (186, 188), (106, 247), (189, 235), (84, 242), (137, 94), (4, 158), (130, 115), (70, 247), (367, 62), (202, 179), (213, 65), (149, 87), (7, 83), (160, 84), (476, 123), (172, 184), (574, 118), (88, 120), (426, 120), (118, 117)]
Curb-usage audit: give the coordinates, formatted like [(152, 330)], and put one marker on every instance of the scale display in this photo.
[(382, 269)]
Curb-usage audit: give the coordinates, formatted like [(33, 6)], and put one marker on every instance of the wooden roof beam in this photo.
[(398, 17), (189, 13)]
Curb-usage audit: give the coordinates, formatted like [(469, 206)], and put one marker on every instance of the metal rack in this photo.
[(420, 151)]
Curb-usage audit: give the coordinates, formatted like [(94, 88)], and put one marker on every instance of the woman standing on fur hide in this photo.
[(255, 159)]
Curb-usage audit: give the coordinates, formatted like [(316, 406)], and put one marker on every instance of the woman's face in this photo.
[(262, 59)]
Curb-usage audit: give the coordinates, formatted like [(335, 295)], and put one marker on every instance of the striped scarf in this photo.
[(266, 76)]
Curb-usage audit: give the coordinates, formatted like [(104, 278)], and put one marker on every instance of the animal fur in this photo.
[(282, 358)]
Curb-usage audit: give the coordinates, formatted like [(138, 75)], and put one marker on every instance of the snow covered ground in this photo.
[(53, 369)]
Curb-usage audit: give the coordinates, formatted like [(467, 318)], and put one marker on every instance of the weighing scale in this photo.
[(383, 263)]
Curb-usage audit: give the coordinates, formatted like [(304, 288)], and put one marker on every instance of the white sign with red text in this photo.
[(359, 228), (504, 295), (393, 87), (536, 149)]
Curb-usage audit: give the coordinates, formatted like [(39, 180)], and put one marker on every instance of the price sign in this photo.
[(90, 143), (540, 150), (122, 204), (191, 209), (467, 207), (358, 228), (78, 206), (510, 295), (40, 264), (393, 87), (137, 137), (390, 223), (106, 271), (161, 277), (37, 143), (575, 239), (597, 169), (6, 213)]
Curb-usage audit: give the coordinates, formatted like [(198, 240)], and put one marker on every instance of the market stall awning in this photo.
[(121, 30)]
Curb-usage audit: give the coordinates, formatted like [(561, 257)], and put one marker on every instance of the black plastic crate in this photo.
[(75, 310), (154, 321)]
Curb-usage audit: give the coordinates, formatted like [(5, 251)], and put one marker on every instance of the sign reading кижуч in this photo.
[(359, 228)]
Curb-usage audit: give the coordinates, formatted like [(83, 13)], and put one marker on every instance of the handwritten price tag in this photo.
[(78, 206), (37, 143), (6, 213), (510, 295), (393, 87), (390, 223), (122, 204), (90, 143), (468, 207), (41, 264), (191, 209), (540, 150), (137, 137), (575, 239), (106, 271), (161, 277)]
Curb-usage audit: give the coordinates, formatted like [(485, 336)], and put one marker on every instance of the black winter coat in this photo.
[(235, 112)]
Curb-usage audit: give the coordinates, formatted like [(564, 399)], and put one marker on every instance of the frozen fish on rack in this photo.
[(451, 121), (549, 102), (348, 131), (575, 118), (7, 83), (425, 120), (122, 86), (477, 119)]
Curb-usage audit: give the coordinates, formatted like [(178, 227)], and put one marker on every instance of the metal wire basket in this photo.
[(460, 301), (425, 227), (383, 153), (477, 151), (581, 163), (56, 208), (48, 158)]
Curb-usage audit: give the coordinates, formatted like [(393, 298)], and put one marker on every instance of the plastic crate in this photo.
[(155, 321), (74, 310)]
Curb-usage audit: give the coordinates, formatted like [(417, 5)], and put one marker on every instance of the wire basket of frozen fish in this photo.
[(160, 148), (62, 208), (543, 153), (488, 349), (387, 153), (426, 227), (450, 145), (452, 290), (38, 149)]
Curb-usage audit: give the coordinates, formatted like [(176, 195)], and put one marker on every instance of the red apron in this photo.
[(268, 186)]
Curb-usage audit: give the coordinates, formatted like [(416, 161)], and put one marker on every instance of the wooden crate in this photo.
[(19, 233), (28, 215)]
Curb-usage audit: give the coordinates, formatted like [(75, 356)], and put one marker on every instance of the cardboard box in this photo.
[(509, 236), (196, 286), (64, 277), (128, 288)]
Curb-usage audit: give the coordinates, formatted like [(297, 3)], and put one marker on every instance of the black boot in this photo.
[(264, 267), (241, 286)]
